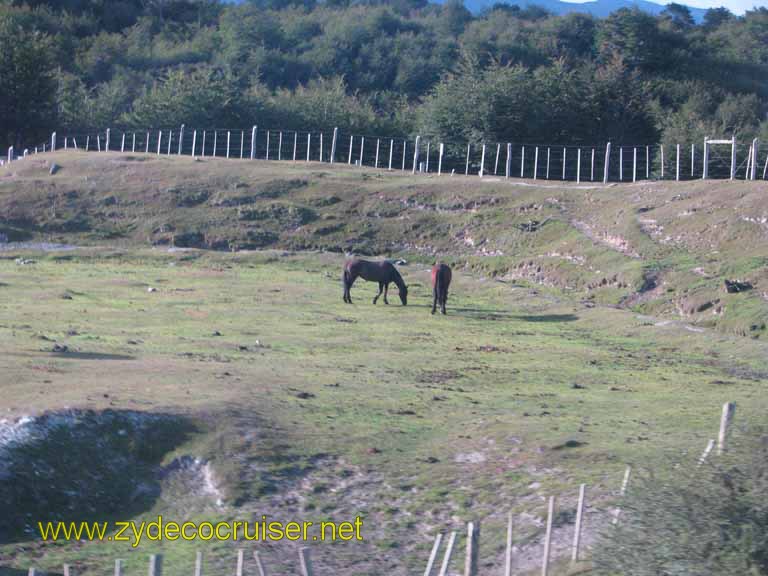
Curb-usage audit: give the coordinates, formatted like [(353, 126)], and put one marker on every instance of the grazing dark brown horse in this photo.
[(441, 279), (382, 272)]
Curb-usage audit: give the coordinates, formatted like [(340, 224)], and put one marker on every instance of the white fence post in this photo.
[(677, 163), (362, 150), (508, 170), (426, 164), (447, 554), (508, 551), (170, 142), (729, 408), (333, 144), (321, 146), (53, 142), (306, 561), (309, 143), (579, 523), (496, 164), (705, 168), (536, 163), (194, 142), (10, 154), (391, 150), (661, 151), (578, 165), (433, 554), (634, 164), (415, 155), (621, 163), (378, 142), (280, 145), (122, 143), (564, 154), (405, 149), (693, 158), (440, 160), (229, 138), (155, 565), (466, 166), (755, 149), (473, 546), (159, 140), (242, 143), (351, 146), (253, 142), (592, 167), (295, 144), (647, 162), (106, 140), (482, 162), (522, 162), (548, 537), (606, 164), (181, 139), (549, 153), (133, 143), (733, 157)]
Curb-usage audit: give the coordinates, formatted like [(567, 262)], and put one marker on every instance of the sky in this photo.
[(735, 6)]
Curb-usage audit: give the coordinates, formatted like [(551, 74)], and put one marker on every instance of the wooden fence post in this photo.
[(522, 162), (415, 155), (606, 165), (391, 150), (548, 537), (508, 551), (253, 142), (333, 144), (306, 561), (240, 562), (155, 565), (733, 157), (579, 523), (440, 160), (118, 567), (482, 162), (466, 166), (433, 555), (729, 408), (199, 563), (496, 164), (447, 555), (260, 564)]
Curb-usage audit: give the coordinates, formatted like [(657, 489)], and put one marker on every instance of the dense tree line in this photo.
[(381, 67)]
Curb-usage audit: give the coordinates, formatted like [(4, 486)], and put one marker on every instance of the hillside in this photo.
[(661, 248)]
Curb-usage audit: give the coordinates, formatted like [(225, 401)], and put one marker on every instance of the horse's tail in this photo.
[(438, 284), (345, 277)]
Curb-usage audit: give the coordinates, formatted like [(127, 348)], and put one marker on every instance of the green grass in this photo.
[(465, 412)]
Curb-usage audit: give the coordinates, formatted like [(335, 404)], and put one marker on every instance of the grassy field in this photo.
[(307, 408)]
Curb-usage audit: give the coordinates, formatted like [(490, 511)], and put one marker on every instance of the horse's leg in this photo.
[(348, 281), (435, 296), (444, 301), (386, 289), (381, 287)]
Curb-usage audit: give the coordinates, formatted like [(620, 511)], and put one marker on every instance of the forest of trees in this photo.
[(384, 67)]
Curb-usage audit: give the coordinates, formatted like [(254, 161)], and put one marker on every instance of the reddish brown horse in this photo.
[(382, 272), (441, 279)]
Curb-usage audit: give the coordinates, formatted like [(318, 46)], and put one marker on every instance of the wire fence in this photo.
[(603, 163)]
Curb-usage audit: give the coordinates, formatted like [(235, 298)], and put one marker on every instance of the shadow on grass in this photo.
[(83, 466), (91, 355)]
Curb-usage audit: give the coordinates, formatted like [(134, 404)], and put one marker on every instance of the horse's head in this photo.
[(404, 294)]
